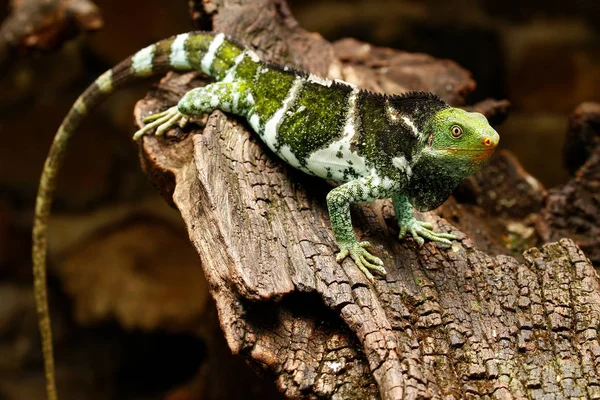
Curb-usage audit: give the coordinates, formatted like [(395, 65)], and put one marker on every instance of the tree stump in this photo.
[(465, 321)]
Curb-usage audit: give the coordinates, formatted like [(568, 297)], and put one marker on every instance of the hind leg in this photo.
[(230, 97)]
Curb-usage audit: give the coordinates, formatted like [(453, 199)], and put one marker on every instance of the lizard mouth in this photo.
[(478, 154)]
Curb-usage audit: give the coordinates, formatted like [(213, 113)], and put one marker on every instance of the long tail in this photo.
[(208, 52)]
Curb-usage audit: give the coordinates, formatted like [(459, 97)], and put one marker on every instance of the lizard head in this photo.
[(462, 139), (457, 144)]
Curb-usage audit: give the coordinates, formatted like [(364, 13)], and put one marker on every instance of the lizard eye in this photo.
[(456, 131)]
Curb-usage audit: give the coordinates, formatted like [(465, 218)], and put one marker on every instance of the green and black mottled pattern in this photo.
[(270, 88), (380, 139), (315, 119)]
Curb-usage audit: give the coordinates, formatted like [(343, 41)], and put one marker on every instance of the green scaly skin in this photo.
[(412, 147)]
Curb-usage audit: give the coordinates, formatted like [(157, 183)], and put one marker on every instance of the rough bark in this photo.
[(460, 322)]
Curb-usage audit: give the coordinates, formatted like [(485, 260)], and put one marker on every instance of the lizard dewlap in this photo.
[(413, 148)]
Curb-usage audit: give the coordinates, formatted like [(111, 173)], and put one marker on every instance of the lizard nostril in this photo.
[(487, 142)]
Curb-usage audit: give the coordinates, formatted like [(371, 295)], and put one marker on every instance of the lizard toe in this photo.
[(426, 225), (363, 259), (342, 254), (167, 125)]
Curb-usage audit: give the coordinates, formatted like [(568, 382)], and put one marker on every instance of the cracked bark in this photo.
[(452, 323)]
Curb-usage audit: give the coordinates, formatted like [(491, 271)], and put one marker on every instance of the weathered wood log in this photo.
[(452, 323)]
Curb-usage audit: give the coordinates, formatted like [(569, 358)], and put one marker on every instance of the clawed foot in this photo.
[(424, 230), (162, 122), (363, 259)]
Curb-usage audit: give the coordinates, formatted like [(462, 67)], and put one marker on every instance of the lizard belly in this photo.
[(337, 162)]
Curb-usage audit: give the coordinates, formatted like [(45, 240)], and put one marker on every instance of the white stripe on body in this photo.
[(235, 107), (179, 56), (402, 164), (396, 117), (391, 112), (409, 122), (272, 125), (79, 105), (254, 121), (142, 61), (285, 152), (104, 82), (253, 56), (209, 57), (231, 71)]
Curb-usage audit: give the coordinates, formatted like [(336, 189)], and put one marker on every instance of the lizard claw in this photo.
[(364, 260), (162, 122), (424, 230)]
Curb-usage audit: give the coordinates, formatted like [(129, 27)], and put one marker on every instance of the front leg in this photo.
[(338, 202), (418, 229), (230, 97)]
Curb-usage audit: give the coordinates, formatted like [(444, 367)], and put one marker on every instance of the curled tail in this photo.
[(211, 53)]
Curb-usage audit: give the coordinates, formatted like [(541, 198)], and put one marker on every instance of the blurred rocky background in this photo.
[(127, 329)]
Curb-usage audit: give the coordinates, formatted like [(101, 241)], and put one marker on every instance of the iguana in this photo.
[(413, 147)]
